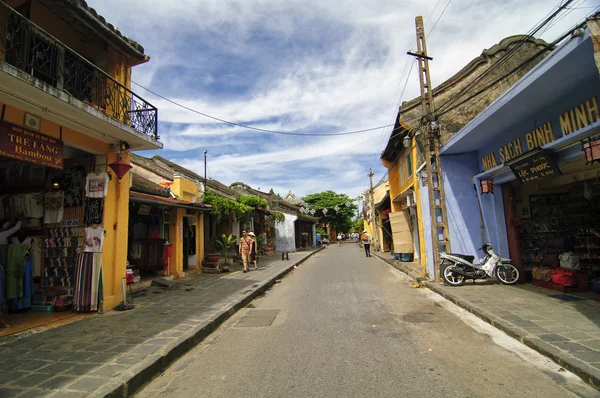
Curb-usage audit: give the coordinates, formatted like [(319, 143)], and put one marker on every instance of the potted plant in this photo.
[(224, 244)]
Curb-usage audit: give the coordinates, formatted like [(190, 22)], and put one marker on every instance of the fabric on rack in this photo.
[(89, 284), (12, 258), (94, 211), (94, 237), (153, 232), (23, 302), (74, 181), (36, 256), (2, 284), (53, 207), (96, 185), (36, 204)]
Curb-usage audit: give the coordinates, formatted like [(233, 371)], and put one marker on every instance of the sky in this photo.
[(308, 67)]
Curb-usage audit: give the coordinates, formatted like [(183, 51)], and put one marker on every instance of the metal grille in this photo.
[(38, 54)]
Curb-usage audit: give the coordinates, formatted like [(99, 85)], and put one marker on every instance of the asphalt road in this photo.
[(350, 326)]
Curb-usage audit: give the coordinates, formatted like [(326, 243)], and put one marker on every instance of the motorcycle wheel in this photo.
[(508, 274), (452, 278)]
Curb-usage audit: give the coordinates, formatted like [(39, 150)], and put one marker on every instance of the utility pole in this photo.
[(374, 224), (205, 152), (433, 167)]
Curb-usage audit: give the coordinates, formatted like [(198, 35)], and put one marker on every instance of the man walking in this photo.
[(366, 240), (246, 244)]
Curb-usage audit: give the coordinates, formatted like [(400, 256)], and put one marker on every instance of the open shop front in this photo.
[(532, 158), (166, 236), (55, 199)]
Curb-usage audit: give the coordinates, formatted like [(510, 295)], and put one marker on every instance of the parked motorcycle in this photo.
[(456, 268)]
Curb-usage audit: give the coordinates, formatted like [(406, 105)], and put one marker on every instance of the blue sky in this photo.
[(302, 66)]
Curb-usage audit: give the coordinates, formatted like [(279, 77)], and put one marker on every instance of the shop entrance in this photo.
[(557, 223), (50, 235), (146, 239), (189, 242)]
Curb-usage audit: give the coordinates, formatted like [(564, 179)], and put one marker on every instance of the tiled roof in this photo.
[(169, 200), (155, 167), (214, 185), (82, 10), (143, 185)]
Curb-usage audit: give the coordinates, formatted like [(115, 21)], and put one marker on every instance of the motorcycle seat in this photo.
[(463, 256)]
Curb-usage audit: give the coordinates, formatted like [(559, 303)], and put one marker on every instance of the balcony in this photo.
[(47, 64)]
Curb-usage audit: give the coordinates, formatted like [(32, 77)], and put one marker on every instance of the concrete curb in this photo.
[(196, 330), (588, 373)]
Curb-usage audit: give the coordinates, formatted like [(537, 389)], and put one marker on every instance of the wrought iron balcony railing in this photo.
[(32, 50)]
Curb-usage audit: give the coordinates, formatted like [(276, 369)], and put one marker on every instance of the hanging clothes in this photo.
[(89, 284), (94, 211), (23, 302), (96, 185), (12, 257), (94, 237), (53, 207), (74, 181), (2, 284)]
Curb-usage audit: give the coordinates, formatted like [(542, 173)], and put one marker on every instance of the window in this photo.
[(409, 166), (401, 171)]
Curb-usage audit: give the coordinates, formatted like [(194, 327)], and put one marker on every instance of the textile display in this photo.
[(62, 246), (12, 257), (153, 232), (96, 184), (2, 283), (94, 211), (73, 182), (94, 237), (88, 287), (140, 230), (31, 205), (24, 301), (53, 207), (284, 234)]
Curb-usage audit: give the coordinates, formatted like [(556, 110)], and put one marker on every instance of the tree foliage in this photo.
[(223, 206), (340, 220), (359, 224), (253, 201)]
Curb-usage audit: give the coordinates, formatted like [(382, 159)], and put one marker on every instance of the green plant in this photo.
[(223, 206), (260, 241), (225, 243), (253, 201), (276, 217)]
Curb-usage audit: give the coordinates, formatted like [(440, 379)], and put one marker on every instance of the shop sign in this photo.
[(534, 167), (69, 223), (144, 210), (22, 144), (571, 121)]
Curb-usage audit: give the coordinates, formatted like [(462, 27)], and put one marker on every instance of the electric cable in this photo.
[(438, 20), (257, 128)]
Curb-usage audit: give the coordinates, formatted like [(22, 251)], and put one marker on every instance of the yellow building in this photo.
[(166, 196), (68, 120), (404, 189), (378, 228)]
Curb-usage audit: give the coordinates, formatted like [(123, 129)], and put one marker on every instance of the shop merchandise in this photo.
[(2, 284), (62, 246), (30, 205), (6, 233), (153, 232), (140, 231), (73, 182), (94, 238), (53, 207), (94, 211), (88, 287), (96, 184)]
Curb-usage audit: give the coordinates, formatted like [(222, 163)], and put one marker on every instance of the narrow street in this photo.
[(346, 325)]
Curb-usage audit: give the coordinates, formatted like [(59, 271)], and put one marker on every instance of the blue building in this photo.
[(528, 148)]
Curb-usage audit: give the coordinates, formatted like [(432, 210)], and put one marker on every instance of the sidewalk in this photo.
[(115, 353), (568, 332)]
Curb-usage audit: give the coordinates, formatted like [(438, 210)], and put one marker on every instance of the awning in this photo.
[(385, 202), (138, 197)]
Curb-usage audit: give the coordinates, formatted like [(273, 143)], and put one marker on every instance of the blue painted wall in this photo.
[(427, 229), (461, 203)]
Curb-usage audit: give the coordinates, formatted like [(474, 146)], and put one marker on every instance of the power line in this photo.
[(258, 128), (505, 57), (440, 17)]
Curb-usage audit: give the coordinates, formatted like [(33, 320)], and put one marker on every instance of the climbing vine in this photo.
[(253, 201), (276, 217), (223, 206)]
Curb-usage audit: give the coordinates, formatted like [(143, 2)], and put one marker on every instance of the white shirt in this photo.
[(96, 185), (368, 241)]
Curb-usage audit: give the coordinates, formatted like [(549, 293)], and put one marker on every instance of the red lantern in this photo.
[(487, 186), (591, 149), (120, 168)]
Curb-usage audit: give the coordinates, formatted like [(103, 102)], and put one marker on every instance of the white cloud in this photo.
[(304, 66)]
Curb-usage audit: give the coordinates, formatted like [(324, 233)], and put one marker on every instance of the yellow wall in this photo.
[(176, 261), (116, 226), (185, 189)]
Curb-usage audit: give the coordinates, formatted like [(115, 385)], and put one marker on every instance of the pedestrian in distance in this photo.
[(339, 238), (246, 243), (366, 240), (254, 251)]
